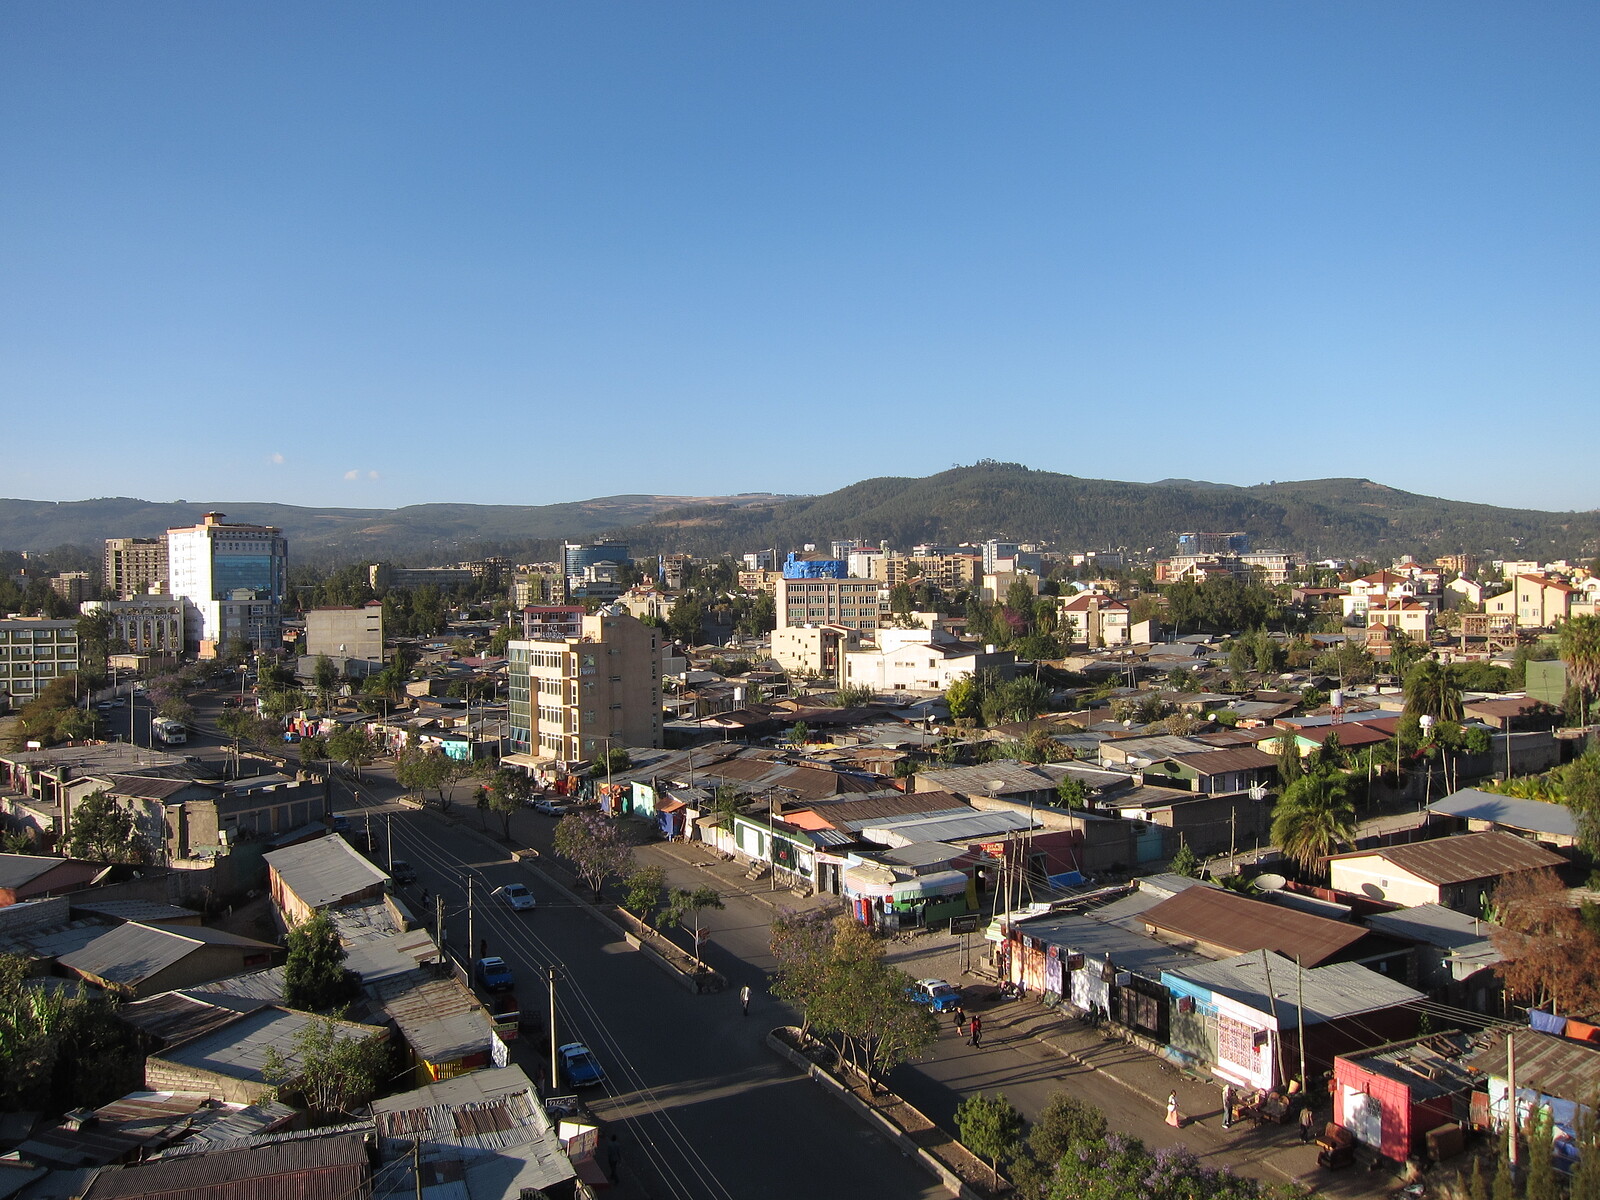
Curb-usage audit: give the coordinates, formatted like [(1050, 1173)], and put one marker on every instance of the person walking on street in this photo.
[(1306, 1123), (1172, 1112), (961, 1017), (976, 1040), (744, 999), (1227, 1106), (613, 1155)]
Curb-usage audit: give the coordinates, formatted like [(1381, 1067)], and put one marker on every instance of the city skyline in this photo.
[(343, 257)]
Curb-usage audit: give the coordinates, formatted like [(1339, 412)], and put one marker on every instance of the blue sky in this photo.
[(373, 254)]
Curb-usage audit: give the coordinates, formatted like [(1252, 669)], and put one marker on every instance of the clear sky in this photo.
[(384, 253)]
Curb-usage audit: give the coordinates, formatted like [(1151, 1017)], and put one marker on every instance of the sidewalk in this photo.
[(1272, 1153)]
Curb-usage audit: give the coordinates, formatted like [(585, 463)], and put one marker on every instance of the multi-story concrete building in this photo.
[(813, 649), (73, 586), (149, 624), (947, 572), (346, 631), (575, 557), (1095, 620), (231, 579), (1543, 601), (552, 622), (33, 652), (853, 603), (538, 583), (572, 700), (135, 566), (916, 660)]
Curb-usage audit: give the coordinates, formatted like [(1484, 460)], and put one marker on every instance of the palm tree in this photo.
[(1580, 650), (1431, 690), (1314, 817)]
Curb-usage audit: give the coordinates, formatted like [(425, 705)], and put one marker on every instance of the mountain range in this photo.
[(1346, 517)]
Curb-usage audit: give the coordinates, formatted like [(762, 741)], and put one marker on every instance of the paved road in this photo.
[(704, 1109)]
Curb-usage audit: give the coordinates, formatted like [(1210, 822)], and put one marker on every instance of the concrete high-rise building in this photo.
[(33, 652), (346, 631), (572, 700), (232, 580), (73, 586), (852, 603), (136, 566)]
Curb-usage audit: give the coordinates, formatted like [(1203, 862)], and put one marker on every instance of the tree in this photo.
[(1314, 817), (990, 1127), (1064, 1121), (642, 891), (1580, 650), (422, 770), (686, 622), (1541, 1181), (1185, 862), (1551, 957), (1072, 792), (594, 846), (94, 643), (964, 698), (507, 790), (854, 695), (802, 944), (1432, 691), (1015, 700), (799, 732), (1290, 765), (353, 746), (325, 676), (684, 908), (61, 1048), (331, 1074), (314, 976), (614, 759), (103, 831), (901, 600)]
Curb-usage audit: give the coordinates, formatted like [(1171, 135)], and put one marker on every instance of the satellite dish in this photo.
[(1270, 882)]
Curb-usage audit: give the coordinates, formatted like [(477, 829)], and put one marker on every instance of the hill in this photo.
[(1346, 517)]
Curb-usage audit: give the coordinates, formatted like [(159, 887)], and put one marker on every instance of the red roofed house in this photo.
[(1542, 602)]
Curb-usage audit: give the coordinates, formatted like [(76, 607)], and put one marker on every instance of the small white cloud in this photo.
[(275, 458), (352, 474), (372, 474)]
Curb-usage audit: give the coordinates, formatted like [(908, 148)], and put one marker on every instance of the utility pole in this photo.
[(1300, 1020), (388, 828), (416, 1164), (555, 1076), (1511, 1100), (471, 930), (1272, 1001), (438, 926)]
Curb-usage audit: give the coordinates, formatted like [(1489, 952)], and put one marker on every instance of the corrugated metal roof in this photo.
[(1535, 816), (19, 870), (173, 1016), (990, 779), (329, 1168), (946, 829), (324, 871), (851, 812), (1328, 993), (1430, 1067), (239, 1048), (1435, 925), (1088, 934), (1217, 917), (1221, 762), (440, 1020), (1555, 1066), (132, 910), (1464, 857), (133, 952)]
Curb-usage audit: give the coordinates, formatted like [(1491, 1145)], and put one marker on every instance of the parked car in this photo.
[(579, 1068), (935, 993), (514, 895), (494, 974), (552, 807), (402, 872)]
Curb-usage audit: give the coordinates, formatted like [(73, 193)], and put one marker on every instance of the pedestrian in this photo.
[(613, 1155), (961, 1017), (1227, 1106), (1306, 1123), (976, 1040), (744, 999), (1172, 1112), (424, 897)]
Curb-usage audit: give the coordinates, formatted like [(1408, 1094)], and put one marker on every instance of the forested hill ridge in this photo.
[(1346, 517), (1002, 500)]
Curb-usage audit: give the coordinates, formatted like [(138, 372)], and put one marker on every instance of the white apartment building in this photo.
[(916, 660), (232, 580)]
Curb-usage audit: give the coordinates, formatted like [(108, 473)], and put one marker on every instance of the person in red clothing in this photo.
[(976, 1040)]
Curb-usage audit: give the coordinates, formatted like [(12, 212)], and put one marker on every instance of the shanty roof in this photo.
[(990, 779), (1325, 993), (959, 827), (1093, 937), (1554, 1066), (238, 1049), (174, 1016), (853, 812), (1429, 1067), (133, 952), (131, 910), (440, 1020), (1221, 762), (1217, 917), (1536, 816), (1467, 938), (19, 870), (1462, 858), (323, 1168), (324, 871)]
